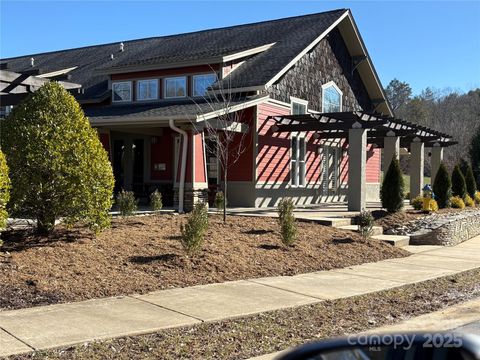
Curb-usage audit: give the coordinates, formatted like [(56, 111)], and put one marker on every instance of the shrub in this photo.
[(469, 201), (194, 230), (219, 200), (477, 197), (58, 167), (365, 223), (442, 187), (459, 188), (417, 203), (126, 202), (392, 192), (474, 152), (457, 202), (156, 200), (288, 228), (4, 191), (470, 182), (433, 205)]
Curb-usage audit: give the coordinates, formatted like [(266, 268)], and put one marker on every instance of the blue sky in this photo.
[(425, 43)]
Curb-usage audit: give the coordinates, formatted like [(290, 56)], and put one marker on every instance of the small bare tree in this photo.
[(229, 128)]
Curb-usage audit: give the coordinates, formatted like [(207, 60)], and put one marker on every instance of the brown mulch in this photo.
[(249, 336), (143, 254)]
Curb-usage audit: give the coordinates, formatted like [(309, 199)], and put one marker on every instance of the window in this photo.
[(175, 87), (332, 98), (297, 169), (147, 89), (122, 91), (298, 106), (202, 82)]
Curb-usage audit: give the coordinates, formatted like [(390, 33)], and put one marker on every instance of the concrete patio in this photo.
[(52, 326)]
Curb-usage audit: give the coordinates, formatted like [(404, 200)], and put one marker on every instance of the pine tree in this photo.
[(442, 187), (459, 188), (470, 182), (392, 192)]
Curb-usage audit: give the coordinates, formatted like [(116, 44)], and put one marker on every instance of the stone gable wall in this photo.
[(328, 61)]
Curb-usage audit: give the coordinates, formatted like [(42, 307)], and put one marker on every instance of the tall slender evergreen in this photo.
[(392, 192), (442, 187)]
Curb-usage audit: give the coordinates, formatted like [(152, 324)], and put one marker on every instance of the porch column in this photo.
[(357, 162), (391, 148), (416, 167), (436, 159)]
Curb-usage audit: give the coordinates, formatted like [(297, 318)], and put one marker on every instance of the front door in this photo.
[(129, 164), (330, 170)]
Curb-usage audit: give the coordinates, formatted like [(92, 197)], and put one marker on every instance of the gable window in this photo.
[(299, 106), (147, 89), (331, 98), (122, 91), (297, 165), (202, 82), (175, 87)]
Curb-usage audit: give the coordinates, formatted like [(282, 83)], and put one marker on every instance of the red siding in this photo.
[(105, 140), (167, 72), (242, 170), (162, 152), (273, 160), (200, 175), (373, 165)]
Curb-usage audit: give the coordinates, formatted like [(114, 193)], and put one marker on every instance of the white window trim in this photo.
[(165, 87), (199, 75), (138, 89), (329, 84), (298, 101), (298, 135), (113, 93)]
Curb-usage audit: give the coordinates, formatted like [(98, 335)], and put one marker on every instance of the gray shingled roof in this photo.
[(186, 108), (290, 35)]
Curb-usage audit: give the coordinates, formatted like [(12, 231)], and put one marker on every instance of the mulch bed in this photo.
[(249, 336), (390, 221), (143, 254)]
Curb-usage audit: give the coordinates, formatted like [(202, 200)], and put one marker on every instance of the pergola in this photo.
[(357, 129), (14, 87)]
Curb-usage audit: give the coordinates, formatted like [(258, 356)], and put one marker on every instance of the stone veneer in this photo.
[(449, 230), (191, 197)]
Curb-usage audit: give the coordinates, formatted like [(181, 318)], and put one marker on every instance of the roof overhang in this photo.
[(186, 118)]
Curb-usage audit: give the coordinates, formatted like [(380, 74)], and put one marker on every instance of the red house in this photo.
[(307, 102)]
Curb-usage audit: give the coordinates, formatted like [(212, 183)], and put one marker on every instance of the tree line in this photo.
[(448, 111)]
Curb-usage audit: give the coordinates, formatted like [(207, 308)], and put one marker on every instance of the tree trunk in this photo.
[(225, 195), (45, 222)]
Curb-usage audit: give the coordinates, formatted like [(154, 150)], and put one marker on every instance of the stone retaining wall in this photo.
[(450, 230)]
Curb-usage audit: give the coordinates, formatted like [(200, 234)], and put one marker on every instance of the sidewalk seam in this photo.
[(17, 338), (165, 308), (290, 291)]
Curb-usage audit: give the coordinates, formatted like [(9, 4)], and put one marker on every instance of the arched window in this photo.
[(331, 98)]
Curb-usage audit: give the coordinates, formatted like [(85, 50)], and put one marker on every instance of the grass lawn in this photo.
[(406, 180), (143, 253), (249, 336)]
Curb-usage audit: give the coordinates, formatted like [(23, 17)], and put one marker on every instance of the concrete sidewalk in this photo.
[(66, 324)]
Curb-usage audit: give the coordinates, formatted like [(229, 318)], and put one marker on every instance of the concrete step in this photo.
[(335, 222), (376, 230), (395, 240)]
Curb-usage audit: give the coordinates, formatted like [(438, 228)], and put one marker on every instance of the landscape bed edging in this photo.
[(449, 231)]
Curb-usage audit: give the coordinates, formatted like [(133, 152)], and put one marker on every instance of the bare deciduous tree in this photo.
[(229, 128)]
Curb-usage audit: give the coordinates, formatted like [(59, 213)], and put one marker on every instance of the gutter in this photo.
[(181, 185)]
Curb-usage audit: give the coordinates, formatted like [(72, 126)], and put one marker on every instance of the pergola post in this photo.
[(357, 162), (435, 159), (416, 167), (391, 148)]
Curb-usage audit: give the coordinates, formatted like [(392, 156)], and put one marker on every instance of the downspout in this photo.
[(181, 185)]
